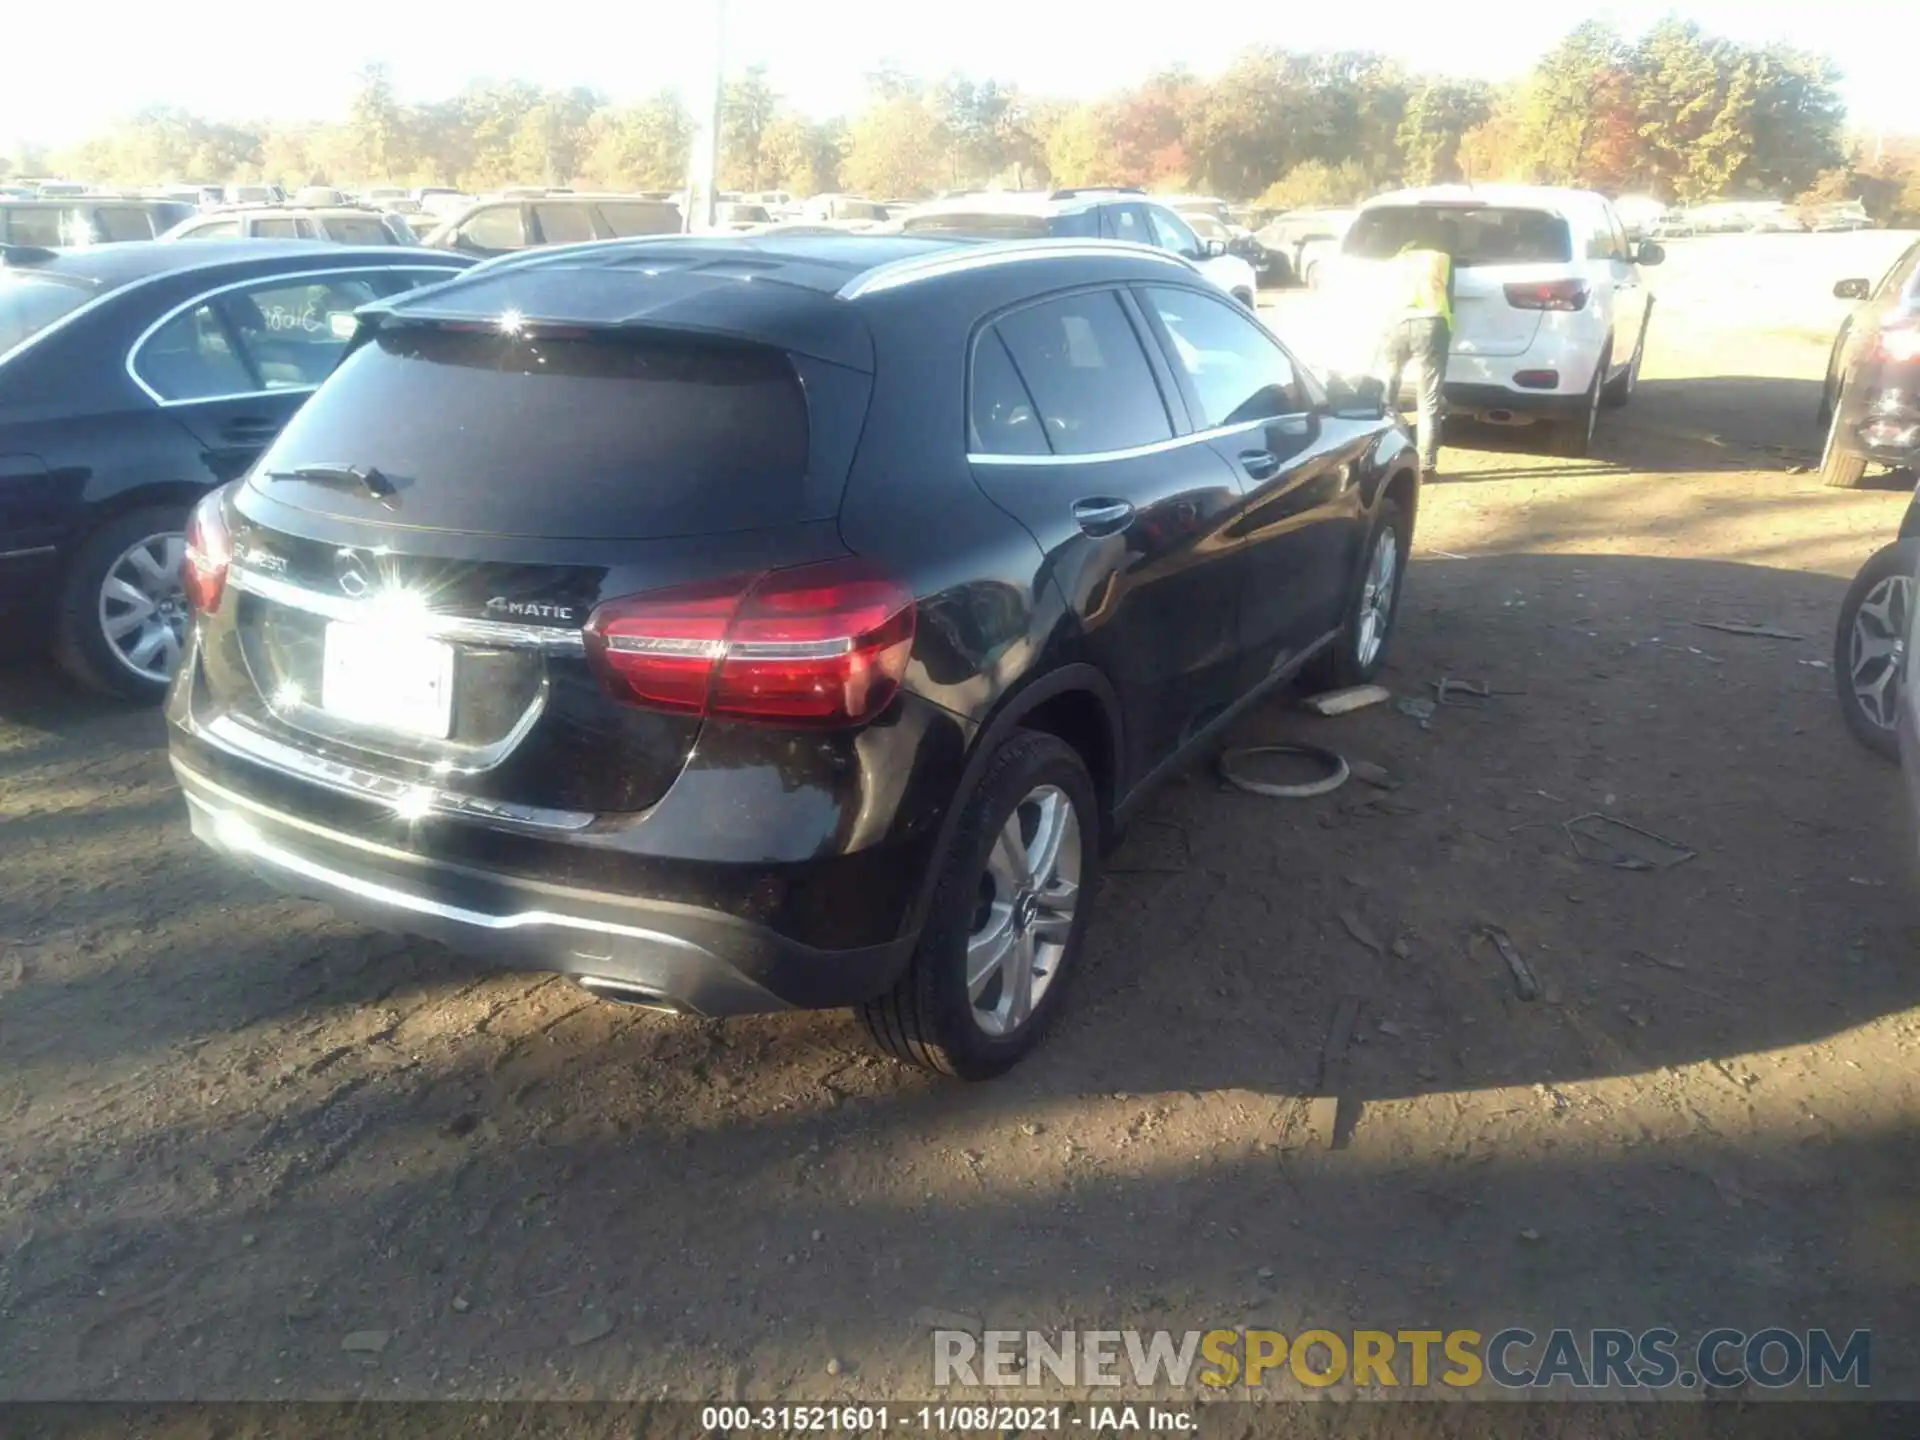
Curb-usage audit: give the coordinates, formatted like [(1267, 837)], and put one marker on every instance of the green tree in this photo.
[(1795, 120), (1314, 183), (896, 146), (748, 106), (801, 156), (378, 135), (550, 140), (1438, 115), (1564, 115), (639, 147), (1693, 96)]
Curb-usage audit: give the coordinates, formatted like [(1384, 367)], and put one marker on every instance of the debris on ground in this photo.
[(1391, 1027), (1765, 632), (1631, 847), (1659, 960), (1401, 949), (1817, 664), (595, 1326), (1357, 928), (1377, 776), (1377, 807), (365, 1342), (1341, 702), (1333, 1050), (1524, 985), (1415, 708), (1463, 694), (1336, 776)]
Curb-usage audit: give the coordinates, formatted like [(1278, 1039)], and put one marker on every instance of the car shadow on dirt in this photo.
[(1243, 925)]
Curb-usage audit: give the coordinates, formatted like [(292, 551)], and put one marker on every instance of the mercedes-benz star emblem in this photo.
[(351, 571)]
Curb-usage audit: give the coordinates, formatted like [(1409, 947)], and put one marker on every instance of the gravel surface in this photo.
[(250, 1150)]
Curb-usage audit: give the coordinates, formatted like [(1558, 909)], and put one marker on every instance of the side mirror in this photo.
[(1213, 249), (1853, 290), (1357, 395), (1648, 252)]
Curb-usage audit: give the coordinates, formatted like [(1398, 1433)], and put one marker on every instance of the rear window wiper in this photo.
[(365, 476)]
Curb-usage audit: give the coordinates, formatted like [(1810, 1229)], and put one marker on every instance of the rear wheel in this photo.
[(1870, 645), (1573, 437), (1008, 915), (122, 615), (1840, 468)]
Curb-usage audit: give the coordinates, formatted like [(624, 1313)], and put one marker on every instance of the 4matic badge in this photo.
[(500, 605)]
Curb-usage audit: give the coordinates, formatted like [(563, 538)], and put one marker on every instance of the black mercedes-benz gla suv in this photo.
[(738, 624)]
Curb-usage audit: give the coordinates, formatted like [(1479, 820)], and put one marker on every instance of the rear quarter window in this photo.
[(356, 230)]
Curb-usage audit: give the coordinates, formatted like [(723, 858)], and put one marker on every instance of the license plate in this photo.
[(372, 676)]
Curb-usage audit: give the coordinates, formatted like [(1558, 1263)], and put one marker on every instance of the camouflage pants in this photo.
[(1419, 346)]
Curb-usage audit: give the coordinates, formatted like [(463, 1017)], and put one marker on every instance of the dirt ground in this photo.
[(235, 1130)]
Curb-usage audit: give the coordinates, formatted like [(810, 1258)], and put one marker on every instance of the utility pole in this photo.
[(704, 172)]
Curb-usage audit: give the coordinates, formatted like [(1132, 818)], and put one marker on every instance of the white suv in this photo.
[(1549, 309), (1090, 214)]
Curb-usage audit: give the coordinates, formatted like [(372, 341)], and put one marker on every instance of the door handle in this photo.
[(1260, 464), (1102, 516)]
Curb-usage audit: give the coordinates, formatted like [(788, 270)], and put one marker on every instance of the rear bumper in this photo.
[(1502, 402), (680, 956), (1882, 422)]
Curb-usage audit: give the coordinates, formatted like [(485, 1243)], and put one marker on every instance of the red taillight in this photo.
[(1547, 295), (203, 569), (823, 644), (1900, 343)]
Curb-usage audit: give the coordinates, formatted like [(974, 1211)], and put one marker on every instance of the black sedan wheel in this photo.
[(123, 609), (1870, 646)]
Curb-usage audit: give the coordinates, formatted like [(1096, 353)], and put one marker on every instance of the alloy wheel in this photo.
[(1376, 597), (1876, 650), (1024, 915), (143, 606)]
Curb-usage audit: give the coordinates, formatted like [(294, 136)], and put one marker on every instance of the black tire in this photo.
[(80, 644), (1892, 567), (1246, 298), (927, 1020), (1840, 468), (1619, 390), (1342, 664), (1573, 437)]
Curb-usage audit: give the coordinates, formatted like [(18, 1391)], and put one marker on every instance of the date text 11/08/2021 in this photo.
[(947, 1419)]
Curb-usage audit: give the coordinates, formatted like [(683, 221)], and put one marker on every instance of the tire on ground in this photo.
[(1338, 666), (1900, 558), (926, 1020)]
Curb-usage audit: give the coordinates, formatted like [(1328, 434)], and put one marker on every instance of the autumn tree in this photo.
[(895, 147), (639, 147), (1438, 116), (748, 106)]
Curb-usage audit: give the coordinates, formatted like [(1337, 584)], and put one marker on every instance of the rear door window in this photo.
[(215, 230), (1237, 371), (563, 224), (1082, 364), (498, 227), (1170, 232), (356, 230), (625, 219), (194, 356), (122, 222), (1472, 235), (1129, 223), (294, 332), (1000, 415), (276, 229)]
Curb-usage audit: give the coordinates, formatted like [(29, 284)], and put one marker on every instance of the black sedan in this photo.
[(739, 624), (1870, 404), (132, 379)]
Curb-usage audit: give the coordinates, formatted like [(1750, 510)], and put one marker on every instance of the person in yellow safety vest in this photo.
[(1418, 334)]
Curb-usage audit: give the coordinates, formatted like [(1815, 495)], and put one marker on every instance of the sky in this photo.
[(233, 60)]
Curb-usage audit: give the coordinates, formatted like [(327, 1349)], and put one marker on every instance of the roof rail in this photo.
[(896, 273), (1073, 190)]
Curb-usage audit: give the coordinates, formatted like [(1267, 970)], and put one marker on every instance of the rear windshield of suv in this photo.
[(1472, 235), (613, 437)]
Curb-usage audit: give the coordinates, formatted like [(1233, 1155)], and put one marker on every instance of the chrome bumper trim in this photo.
[(457, 628), (404, 796), (243, 839)]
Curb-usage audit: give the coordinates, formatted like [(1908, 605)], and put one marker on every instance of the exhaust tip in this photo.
[(623, 992)]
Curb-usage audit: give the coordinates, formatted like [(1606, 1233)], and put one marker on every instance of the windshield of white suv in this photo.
[(1472, 235)]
